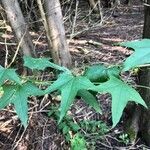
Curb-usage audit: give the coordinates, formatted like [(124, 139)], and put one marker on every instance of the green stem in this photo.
[(29, 78)]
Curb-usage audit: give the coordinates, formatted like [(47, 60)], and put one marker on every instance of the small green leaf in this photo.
[(89, 99), (8, 74), (78, 143), (17, 95), (121, 93), (66, 129), (41, 64), (96, 73), (75, 127)]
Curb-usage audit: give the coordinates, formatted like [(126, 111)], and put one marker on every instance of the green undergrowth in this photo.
[(83, 133)]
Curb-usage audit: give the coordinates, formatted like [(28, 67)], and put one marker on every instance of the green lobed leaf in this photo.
[(69, 91), (140, 56), (69, 86), (8, 74), (90, 99), (41, 63), (143, 43), (121, 93), (17, 95)]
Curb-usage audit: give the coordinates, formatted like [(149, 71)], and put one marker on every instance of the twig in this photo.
[(19, 138), (43, 133), (142, 86), (17, 50), (6, 56), (38, 40), (94, 43), (10, 44), (144, 65), (75, 19)]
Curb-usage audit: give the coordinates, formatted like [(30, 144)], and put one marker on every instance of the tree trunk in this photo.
[(60, 51), (146, 29), (139, 120), (16, 19), (144, 79)]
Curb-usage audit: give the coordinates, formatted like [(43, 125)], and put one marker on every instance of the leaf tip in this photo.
[(98, 109), (25, 123)]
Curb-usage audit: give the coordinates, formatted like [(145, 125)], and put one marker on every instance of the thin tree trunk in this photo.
[(40, 5), (146, 29), (139, 121), (144, 79), (60, 51), (16, 19)]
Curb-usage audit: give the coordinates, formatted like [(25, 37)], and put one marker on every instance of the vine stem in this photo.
[(37, 81)]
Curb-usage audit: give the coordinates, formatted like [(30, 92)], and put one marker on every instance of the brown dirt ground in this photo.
[(92, 43)]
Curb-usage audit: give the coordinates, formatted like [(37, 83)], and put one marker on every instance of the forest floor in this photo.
[(91, 42)]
